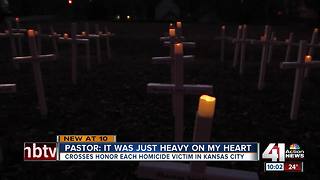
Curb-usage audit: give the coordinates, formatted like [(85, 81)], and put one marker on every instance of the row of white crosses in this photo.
[(268, 40), (194, 170), (177, 87), (35, 46)]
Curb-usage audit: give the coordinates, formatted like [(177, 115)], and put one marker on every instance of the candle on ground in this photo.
[(31, 33), (179, 25), (83, 33), (307, 58), (178, 49), (316, 30), (206, 106), (172, 32)]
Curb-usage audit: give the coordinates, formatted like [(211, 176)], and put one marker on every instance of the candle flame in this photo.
[(31, 33), (307, 58), (65, 35), (315, 30)]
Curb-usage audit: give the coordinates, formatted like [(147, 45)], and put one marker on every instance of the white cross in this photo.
[(35, 58), (168, 60), (314, 38), (9, 34), (74, 41), (300, 67), (178, 90), (19, 38)]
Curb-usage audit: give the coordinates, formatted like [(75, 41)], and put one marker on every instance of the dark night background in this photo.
[(112, 98)]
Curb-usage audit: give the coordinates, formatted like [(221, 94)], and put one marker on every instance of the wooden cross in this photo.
[(96, 37), (314, 38), (263, 63), (167, 60), (106, 35), (222, 39), (54, 37), (178, 89), (300, 66), (35, 58), (11, 36), (87, 45), (243, 48), (74, 41), (19, 38), (236, 41)]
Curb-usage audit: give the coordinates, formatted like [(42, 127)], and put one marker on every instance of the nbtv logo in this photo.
[(40, 151)]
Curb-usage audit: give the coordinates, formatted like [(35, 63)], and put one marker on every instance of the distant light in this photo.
[(118, 17), (128, 17), (70, 2)]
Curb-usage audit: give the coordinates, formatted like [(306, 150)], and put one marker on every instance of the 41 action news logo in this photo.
[(278, 152)]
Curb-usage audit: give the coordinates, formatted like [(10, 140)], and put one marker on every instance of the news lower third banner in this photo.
[(105, 148)]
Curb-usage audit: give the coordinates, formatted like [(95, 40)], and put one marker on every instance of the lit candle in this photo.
[(316, 30), (179, 25), (239, 27), (307, 58), (206, 106), (171, 25), (17, 19), (65, 36), (172, 32), (31, 33), (83, 33), (223, 27), (178, 49)]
